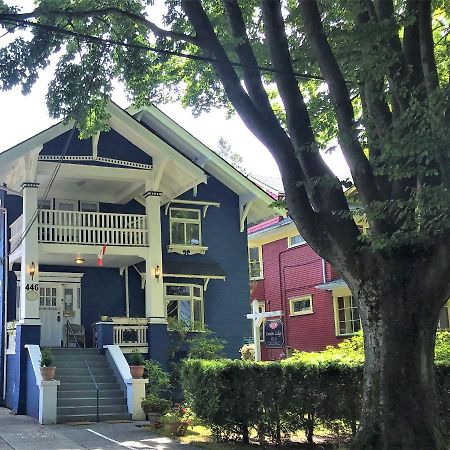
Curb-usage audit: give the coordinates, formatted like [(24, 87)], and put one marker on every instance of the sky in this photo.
[(23, 116)]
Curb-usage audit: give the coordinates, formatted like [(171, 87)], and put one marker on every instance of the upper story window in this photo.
[(184, 303), (295, 240), (88, 206), (255, 263), (301, 305), (185, 226), (44, 204), (346, 315)]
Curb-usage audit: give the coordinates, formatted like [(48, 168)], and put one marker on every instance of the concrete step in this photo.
[(91, 401), (80, 364), (76, 410), (90, 393), (92, 417), (86, 378), (88, 386)]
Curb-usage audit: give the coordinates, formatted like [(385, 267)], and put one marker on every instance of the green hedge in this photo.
[(277, 399)]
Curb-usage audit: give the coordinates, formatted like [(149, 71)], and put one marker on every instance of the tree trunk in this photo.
[(400, 410)]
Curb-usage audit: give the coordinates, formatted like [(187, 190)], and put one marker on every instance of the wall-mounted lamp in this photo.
[(32, 270), (157, 272), (79, 260)]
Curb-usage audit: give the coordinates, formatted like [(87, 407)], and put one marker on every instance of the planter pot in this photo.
[(137, 371), (48, 373), (178, 428), (153, 418), (104, 318)]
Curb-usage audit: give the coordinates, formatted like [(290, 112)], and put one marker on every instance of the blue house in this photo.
[(109, 240)]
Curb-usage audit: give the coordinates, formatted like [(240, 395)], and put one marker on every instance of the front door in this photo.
[(59, 303), (50, 315)]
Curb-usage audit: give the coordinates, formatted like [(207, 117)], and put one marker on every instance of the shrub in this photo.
[(136, 358), (247, 352), (157, 392), (204, 346), (46, 357)]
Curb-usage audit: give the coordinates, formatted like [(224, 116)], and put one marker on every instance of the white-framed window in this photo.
[(255, 266), (301, 305), (88, 206), (295, 240), (44, 203), (346, 315), (185, 227), (184, 303)]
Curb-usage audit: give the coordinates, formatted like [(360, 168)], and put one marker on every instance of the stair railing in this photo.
[(70, 330)]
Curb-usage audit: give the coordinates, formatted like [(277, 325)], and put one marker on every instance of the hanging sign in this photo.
[(274, 333)]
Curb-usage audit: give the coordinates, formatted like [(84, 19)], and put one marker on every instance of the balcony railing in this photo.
[(93, 228), (130, 333)]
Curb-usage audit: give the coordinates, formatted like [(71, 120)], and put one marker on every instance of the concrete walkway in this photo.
[(23, 433)]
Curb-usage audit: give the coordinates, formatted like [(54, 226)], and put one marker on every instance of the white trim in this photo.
[(260, 261), (310, 310), (296, 245), (191, 298), (56, 277), (205, 204), (117, 162), (185, 221)]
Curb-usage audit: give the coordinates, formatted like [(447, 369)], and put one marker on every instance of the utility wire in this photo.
[(56, 169), (98, 40)]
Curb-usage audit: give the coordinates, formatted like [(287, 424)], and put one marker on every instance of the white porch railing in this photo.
[(77, 227), (16, 233), (130, 332)]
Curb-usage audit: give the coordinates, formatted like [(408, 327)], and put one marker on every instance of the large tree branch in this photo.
[(319, 229), (358, 163), (100, 13), (324, 187), (429, 66)]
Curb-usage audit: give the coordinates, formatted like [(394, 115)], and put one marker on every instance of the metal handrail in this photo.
[(69, 328)]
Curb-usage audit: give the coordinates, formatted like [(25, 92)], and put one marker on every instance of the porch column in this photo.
[(28, 330), (154, 298), (29, 281)]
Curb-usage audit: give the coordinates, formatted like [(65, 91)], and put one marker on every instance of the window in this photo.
[(185, 226), (301, 305), (184, 303), (295, 240), (347, 316), (255, 262), (89, 206), (44, 204)]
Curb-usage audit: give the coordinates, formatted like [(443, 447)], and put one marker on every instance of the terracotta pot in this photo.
[(48, 373), (153, 417), (137, 371), (178, 428)]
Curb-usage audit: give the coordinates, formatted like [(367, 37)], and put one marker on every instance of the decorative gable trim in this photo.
[(117, 162)]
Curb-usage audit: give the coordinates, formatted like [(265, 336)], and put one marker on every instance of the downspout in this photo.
[(324, 271), (5, 294)]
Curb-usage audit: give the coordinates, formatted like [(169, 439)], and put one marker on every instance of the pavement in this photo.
[(23, 433)]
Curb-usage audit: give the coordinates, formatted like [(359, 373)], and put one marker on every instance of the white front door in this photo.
[(59, 303), (50, 315)]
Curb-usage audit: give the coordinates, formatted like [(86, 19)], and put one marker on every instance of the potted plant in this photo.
[(178, 419), (47, 370), (154, 407), (136, 364)]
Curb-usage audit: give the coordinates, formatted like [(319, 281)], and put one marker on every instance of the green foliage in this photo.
[(442, 348), (46, 357), (203, 346), (136, 358), (157, 390), (277, 399)]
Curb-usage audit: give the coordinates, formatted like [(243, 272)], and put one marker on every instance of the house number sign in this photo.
[(32, 291)]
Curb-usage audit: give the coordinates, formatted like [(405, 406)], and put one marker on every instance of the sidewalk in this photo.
[(23, 433)]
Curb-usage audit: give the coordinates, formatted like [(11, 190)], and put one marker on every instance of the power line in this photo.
[(98, 40)]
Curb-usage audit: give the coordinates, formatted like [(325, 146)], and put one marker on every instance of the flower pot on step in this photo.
[(48, 373), (137, 371)]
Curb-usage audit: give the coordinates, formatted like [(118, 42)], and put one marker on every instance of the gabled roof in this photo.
[(209, 160), (163, 139)]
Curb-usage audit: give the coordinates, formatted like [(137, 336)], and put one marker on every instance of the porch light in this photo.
[(32, 269), (79, 260), (157, 272)]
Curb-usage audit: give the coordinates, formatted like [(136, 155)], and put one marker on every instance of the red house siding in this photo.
[(294, 272)]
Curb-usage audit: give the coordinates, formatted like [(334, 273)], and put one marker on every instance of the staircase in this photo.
[(77, 396)]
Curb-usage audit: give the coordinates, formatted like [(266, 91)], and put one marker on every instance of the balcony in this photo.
[(85, 228)]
